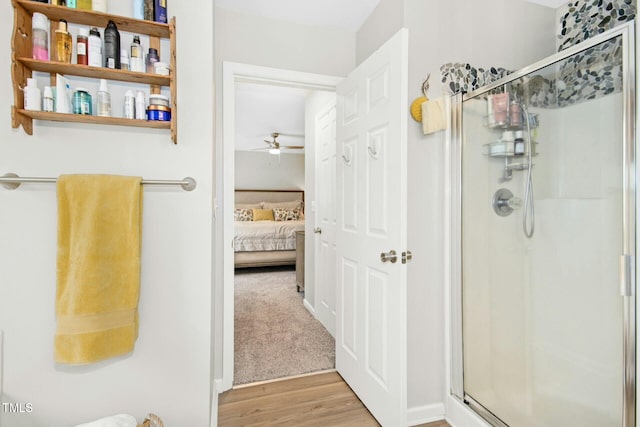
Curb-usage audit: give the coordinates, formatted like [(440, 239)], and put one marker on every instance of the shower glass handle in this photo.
[(627, 275)]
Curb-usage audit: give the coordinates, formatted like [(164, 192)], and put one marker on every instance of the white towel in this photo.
[(434, 118), (121, 420)]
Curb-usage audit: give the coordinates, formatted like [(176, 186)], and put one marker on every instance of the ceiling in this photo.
[(347, 15), (263, 109)]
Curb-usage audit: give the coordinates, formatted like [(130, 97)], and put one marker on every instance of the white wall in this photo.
[(441, 32), (385, 20), (271, 43), (170, 370), (264, 171)]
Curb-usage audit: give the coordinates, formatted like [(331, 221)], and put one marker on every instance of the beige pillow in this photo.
[(296, 204), (248, 205), (263, 214)]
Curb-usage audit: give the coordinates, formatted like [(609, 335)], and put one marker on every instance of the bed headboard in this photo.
[(257, 196)]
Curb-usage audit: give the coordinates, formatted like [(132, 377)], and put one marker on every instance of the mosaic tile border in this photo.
[(582, 19)]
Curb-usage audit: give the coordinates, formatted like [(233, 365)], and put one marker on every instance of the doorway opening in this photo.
[(280, 271)]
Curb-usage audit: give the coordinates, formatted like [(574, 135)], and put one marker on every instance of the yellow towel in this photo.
[(99, 229), (434, 116)]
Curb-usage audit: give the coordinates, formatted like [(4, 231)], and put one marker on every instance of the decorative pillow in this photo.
[(296, 204), (281, 214), (263, 214), (243, 214)]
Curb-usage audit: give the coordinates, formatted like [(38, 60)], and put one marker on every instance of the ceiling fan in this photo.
[(274, 146)]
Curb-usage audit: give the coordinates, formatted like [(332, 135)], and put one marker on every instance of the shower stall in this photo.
[(543, 252)]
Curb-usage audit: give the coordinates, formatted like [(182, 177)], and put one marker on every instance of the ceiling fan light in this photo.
[(274, 151)]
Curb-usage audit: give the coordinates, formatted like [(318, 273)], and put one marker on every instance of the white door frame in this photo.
[(225, 171)]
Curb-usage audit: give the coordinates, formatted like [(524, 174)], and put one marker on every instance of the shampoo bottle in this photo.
[(63, 43)]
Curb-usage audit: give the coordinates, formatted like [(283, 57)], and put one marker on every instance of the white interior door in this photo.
[(325, 230), (371, 316)]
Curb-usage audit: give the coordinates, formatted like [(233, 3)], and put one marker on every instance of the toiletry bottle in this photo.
[(152, 58), (82, 44), (148, 10), (71, 3), (160, 11), (138, 9), (59, 2), (82, 102), (515, 114), (63, 43), (112, 46), (141, 105), (124, 60), (100, 6), (103, 104), (491, 121), (47, 100), (518, 143), (32, 99), (40, 31), (84, 4), (137, 61), (129, 105), (95, 48)]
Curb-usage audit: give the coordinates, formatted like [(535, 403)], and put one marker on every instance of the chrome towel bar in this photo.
[(11, 181)]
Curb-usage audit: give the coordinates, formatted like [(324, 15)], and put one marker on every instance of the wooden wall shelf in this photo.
[(23, 65)]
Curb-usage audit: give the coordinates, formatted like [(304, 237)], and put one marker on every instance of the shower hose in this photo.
[(529, 215)]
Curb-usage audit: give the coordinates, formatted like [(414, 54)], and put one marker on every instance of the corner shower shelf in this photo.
[(23, 65), (500, 149)]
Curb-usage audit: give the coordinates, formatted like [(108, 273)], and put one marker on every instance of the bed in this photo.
[(267, 242)]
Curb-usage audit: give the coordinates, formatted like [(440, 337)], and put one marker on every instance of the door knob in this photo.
[(406, 257), (390, 256), (317, 230)]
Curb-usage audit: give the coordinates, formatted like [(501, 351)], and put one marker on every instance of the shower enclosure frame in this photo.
[(628, 260)]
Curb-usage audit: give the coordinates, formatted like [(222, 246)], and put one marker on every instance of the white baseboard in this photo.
[(309, 307), (425, 414), (460, 415)]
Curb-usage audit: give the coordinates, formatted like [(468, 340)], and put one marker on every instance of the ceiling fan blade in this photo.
[(293, 147), (291, 135), (261, 149)]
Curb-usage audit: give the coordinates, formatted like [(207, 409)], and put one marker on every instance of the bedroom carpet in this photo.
[(275, 335)]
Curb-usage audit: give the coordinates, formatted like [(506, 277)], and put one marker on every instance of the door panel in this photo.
[(371, 337), (326, 214)]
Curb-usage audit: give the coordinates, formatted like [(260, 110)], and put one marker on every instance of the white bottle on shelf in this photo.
[(103, 103), (100, 5), (32, 96), (95, 48)]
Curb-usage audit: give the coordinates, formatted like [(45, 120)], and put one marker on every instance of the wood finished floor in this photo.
[(314, 400)]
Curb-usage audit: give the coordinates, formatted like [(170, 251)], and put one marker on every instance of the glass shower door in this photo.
[(546, 213)]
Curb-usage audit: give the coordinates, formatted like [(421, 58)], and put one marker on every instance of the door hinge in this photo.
[(406, 257), (627, 275)]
